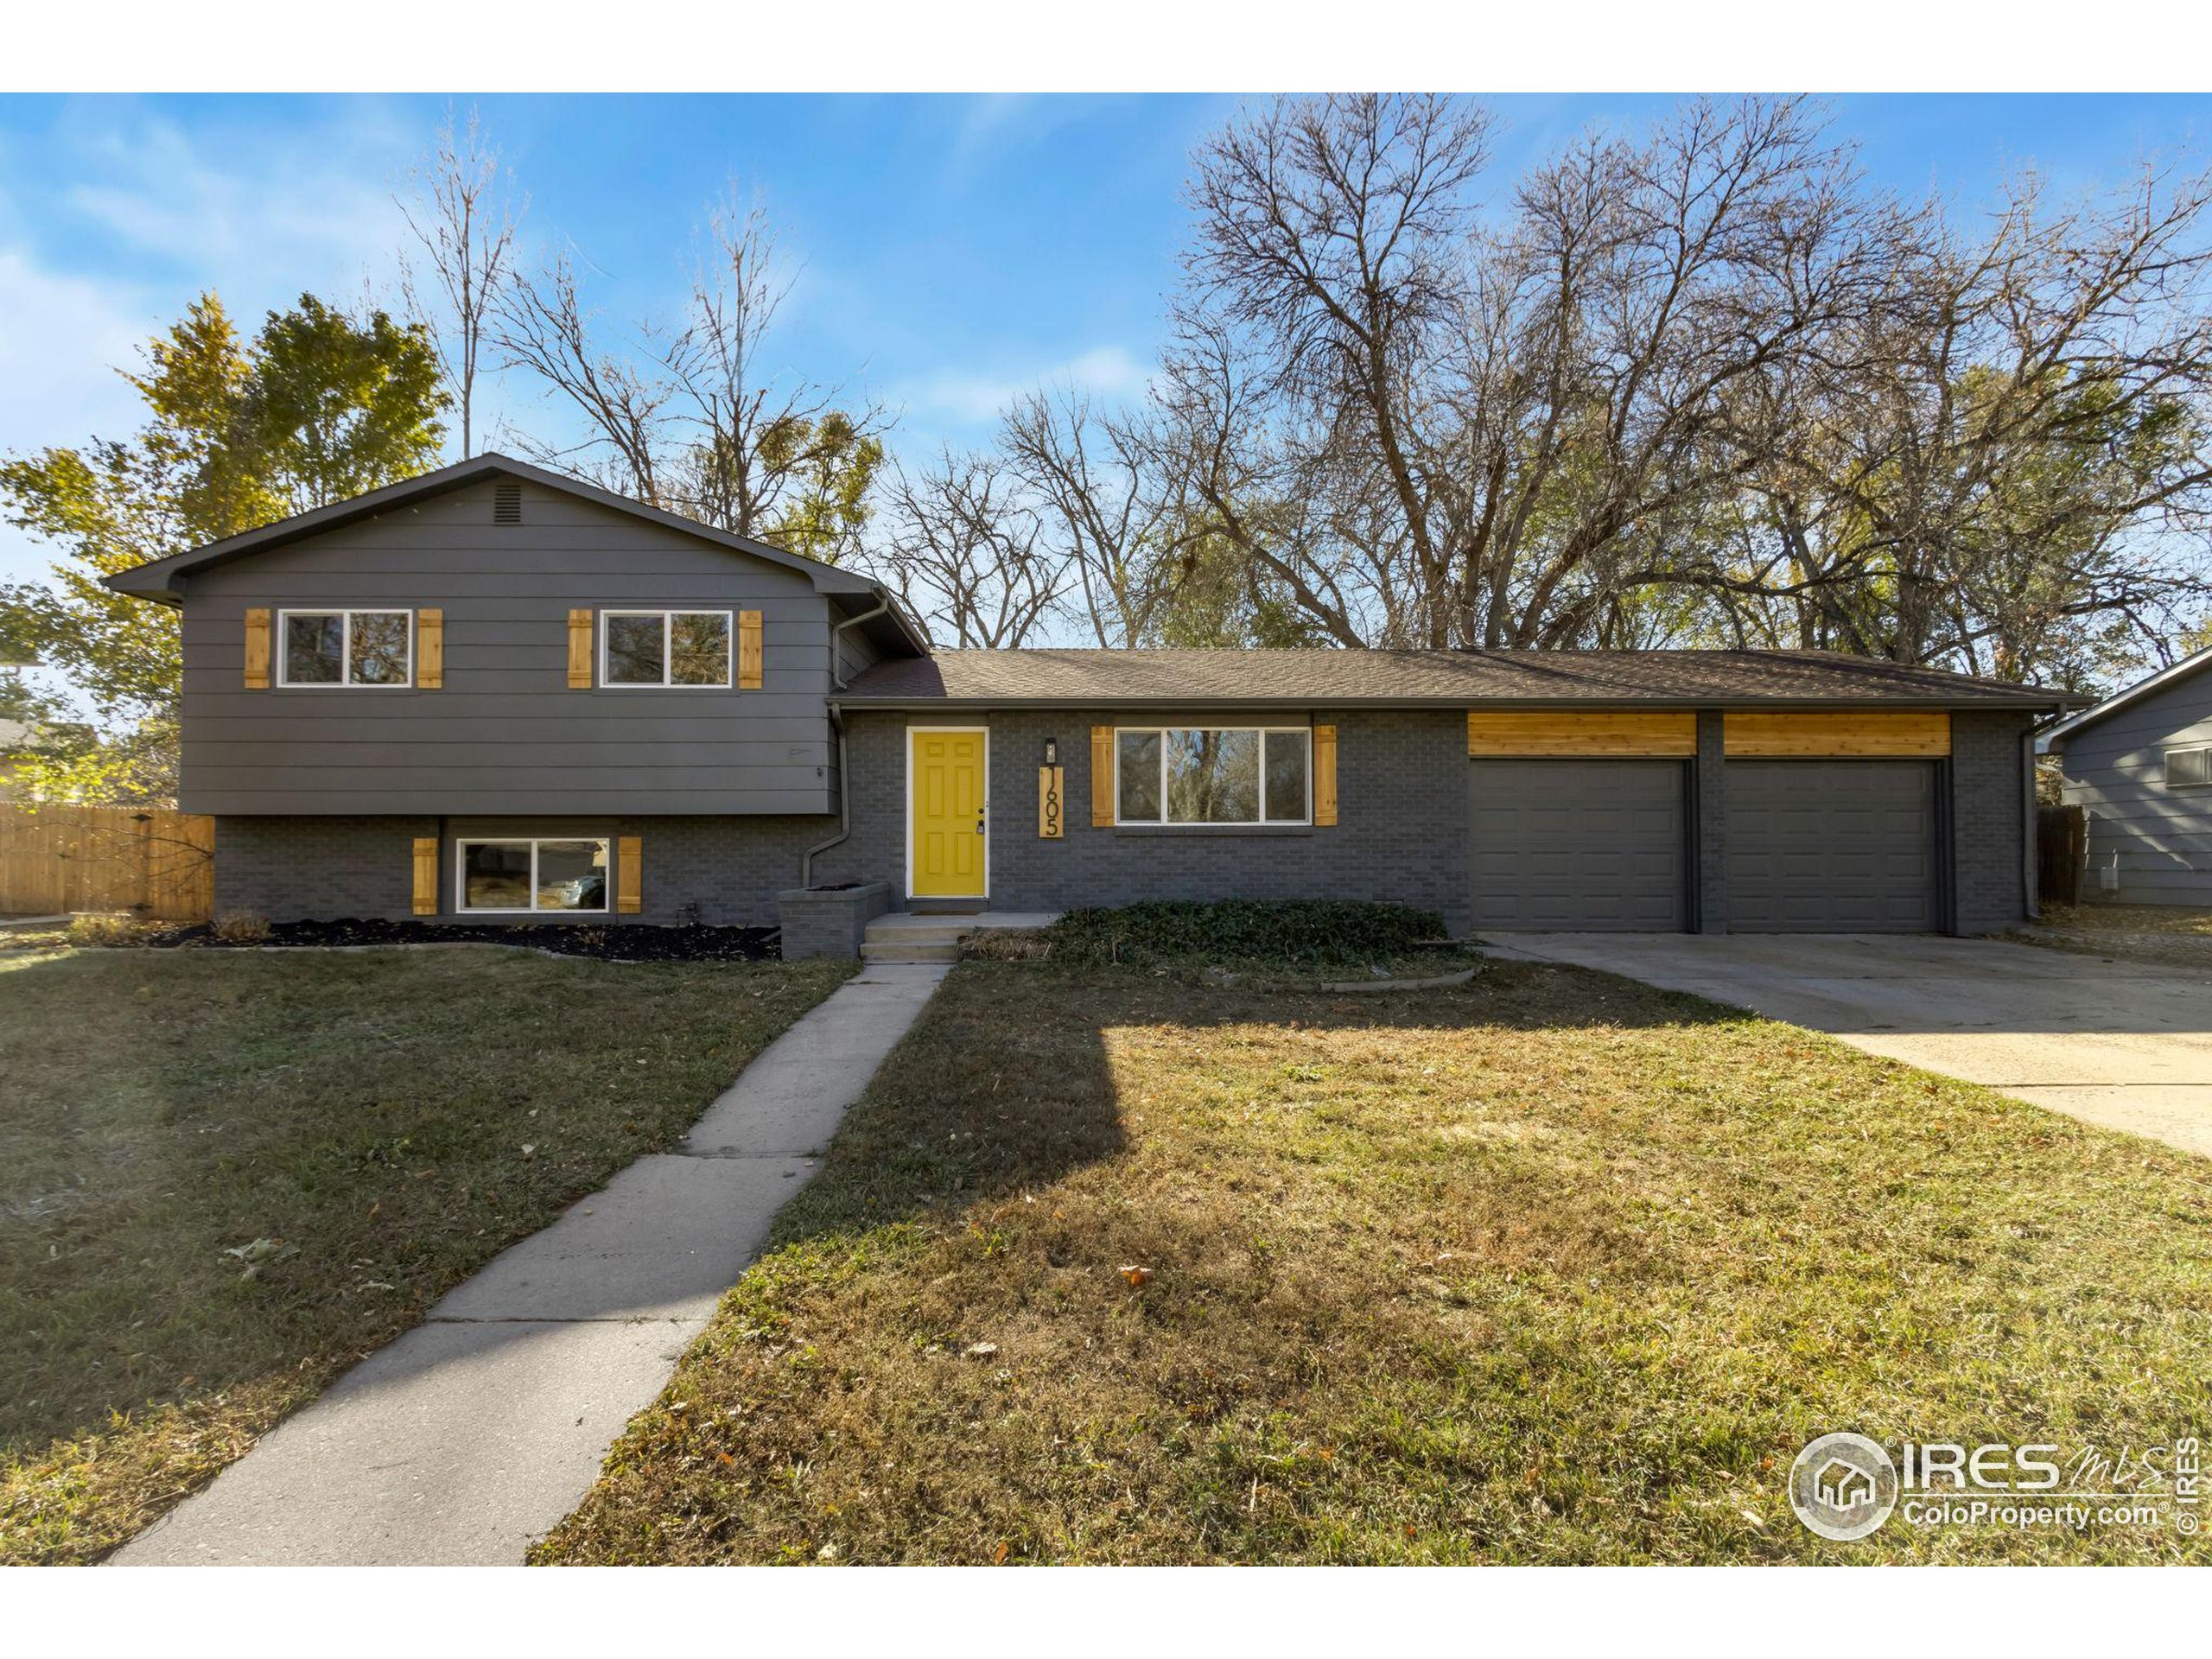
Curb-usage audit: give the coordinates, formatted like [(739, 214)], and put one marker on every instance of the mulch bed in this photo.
[(629, 943)]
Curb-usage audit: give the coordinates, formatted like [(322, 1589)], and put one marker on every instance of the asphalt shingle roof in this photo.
[(1709, 678)]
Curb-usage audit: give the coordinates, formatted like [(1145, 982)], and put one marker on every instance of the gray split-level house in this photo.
[(2140, 764), (495, 692)]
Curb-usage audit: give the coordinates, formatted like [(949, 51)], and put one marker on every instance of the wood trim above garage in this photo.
[(1849, 734), (1665, 733)]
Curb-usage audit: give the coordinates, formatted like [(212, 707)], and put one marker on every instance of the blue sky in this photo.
[(949, 251)]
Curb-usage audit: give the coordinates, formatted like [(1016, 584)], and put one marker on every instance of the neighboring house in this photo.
[(494, 691), (2141, 764)]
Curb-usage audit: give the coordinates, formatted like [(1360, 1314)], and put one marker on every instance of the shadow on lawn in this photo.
[(1006, 1085)]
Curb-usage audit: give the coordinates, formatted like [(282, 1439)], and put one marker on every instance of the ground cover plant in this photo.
[(229, 1175), (1274, 944), (1554, 1267)]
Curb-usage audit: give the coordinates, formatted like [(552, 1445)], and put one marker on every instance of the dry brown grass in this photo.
[(1554, 1268), (382, 1121), (2184, 921)]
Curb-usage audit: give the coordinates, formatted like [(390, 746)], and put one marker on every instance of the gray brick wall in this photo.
[(1709, 802), (318, 869), (1400, 834), (724, 871), (1988, 812)]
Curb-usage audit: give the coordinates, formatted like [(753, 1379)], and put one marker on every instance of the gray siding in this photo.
[(506, 734), (2115, 768)]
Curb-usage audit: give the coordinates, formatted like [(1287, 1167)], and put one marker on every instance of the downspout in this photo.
[(844, 771), (844, 799), (837, 678), (2031, 832)]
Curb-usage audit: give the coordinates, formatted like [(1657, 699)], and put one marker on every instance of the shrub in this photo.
[(242, 927), (1318, 931), (113, 927)]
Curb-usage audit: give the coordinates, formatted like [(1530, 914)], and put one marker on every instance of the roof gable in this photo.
[(2150, 685), (158, 578)]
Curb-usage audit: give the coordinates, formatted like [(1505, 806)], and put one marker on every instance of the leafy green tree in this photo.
[(832, 464), (318, 406)]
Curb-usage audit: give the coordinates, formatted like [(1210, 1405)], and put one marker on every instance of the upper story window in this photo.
[(676, 648), (2187, 768), (346, 648), (1221, 775)]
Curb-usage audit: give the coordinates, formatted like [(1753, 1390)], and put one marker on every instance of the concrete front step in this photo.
[(908, 936), (946, 950)]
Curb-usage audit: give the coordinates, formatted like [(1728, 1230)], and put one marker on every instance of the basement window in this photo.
[(2189, 768), (532, 875), (346, 648), (1214, 775)]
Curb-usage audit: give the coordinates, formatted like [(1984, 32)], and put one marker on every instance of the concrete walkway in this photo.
[(472, 1435), (2127, 1044)]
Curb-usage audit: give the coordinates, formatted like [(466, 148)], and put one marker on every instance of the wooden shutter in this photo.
[(629, 875), (257, 650), (1102, 775), (431, 649), (426, 875), (1325, 775), (748, 651), (579, 651)]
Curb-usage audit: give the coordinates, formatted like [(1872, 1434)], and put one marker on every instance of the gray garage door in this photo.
[(1579, 844), (1832, 847)]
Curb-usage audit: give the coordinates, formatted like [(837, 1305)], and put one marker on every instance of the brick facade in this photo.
[(1401, 834), (1988, 813)]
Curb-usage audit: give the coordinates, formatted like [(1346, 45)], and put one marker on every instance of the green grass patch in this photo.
[(228, 1176), (1554, 1268)]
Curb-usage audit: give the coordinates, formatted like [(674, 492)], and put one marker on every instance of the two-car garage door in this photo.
[(1842, 845)]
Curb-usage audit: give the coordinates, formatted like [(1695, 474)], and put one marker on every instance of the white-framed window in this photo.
[(350, 648), (520, 873), (1213, 775), (2189, 768), (664, 648)]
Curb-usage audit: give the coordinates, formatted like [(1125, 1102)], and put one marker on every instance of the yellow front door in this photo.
[(944, 770)]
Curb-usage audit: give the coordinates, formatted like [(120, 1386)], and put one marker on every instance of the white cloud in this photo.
[(62, 337), (139, 217), (313, 208), (1105, 372)]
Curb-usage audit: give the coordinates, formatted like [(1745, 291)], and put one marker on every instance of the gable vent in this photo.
[(506, 502)]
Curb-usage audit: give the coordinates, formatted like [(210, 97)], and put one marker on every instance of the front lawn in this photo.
[(1114, 1266), (229, 1175)]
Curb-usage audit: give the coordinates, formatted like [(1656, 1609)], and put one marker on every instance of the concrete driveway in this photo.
[(2125, 1045)]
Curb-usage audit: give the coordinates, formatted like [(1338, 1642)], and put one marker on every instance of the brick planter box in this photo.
[(829, 921)]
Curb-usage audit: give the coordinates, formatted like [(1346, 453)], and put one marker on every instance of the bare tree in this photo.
[(1114, 503), (694, 416), (2014, 476), (463, 215), (1488, 429), (964, 553)]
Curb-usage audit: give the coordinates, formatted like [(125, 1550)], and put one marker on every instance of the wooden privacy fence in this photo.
[(154, 863), (2061, 849)]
